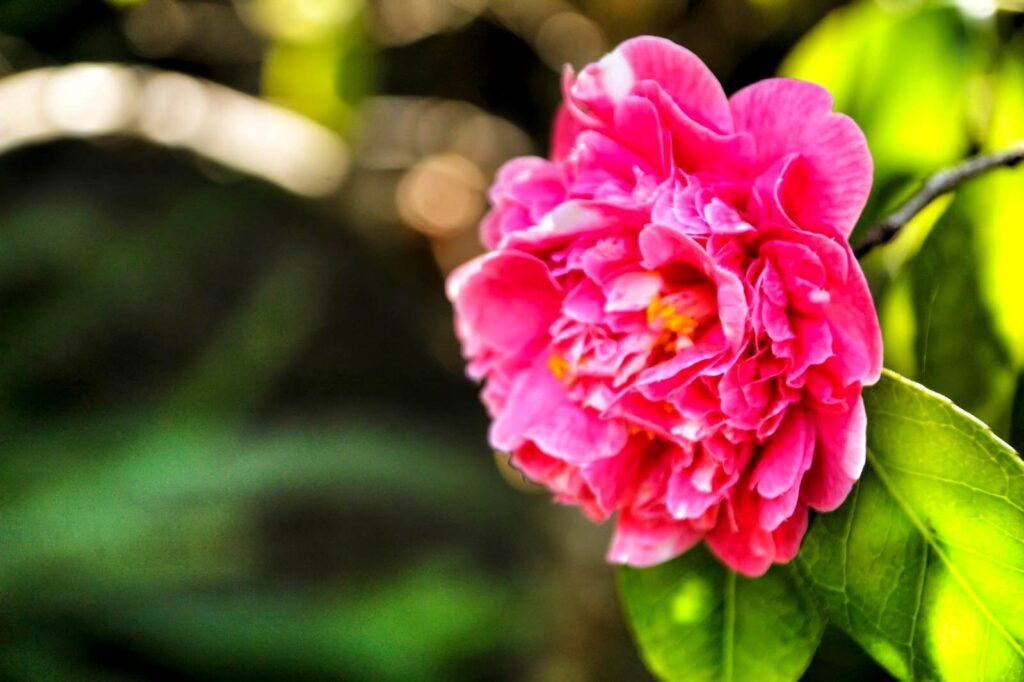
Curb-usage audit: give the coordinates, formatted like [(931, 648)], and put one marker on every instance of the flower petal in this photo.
[(788, 116), (782, 458), (539, 411), (788, 536), (684, 77), (839, 458), (504, 301), (563, 133), (571, 219), (856, 335), (742, 544), (526, 189), (641, 543), (662, 246)]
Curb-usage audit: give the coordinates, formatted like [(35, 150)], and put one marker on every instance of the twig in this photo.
[(942, 182)]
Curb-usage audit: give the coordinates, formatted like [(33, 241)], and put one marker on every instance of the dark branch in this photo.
[(942, 182)]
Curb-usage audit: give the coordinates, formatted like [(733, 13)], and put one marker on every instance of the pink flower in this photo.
[(671, 323)]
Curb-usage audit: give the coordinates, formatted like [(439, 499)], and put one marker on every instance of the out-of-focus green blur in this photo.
[(237, 443)]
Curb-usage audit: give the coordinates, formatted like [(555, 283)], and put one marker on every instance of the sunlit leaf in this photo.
[(999, 210), (696, 620), (899, 337), (958, 352), (924, 563), (1017, 416)]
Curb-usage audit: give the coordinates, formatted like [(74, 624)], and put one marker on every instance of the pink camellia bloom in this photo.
[(670, 321)]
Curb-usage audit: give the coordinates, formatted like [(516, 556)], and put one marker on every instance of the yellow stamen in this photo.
[(635, 430), (653, 310), (681, 324), (674, 321), (559, 366)]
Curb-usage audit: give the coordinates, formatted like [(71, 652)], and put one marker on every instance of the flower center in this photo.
[(663, 314), (677, 317), (671, 319)]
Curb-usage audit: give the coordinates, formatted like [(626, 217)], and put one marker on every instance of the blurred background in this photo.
[(235, 438)]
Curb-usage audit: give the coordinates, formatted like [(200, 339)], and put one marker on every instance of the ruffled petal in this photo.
[(856, 334), (683, 76), (525, 190), (504, 301), (781, 463), (839, 457), (563, 133), (740, 541), (641, 543), (788, 116), (789, 534), (779, 482), (661, 246), (539, 411), (570, 220)]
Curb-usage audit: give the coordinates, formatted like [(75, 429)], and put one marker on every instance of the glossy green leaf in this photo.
[(924, 563), (899, 327), (1017, 416), (998, 210), (958, 352), (696, 620)]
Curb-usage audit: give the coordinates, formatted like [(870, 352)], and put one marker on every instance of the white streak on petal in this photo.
[(567, 217), (616, 76), (819, 296)]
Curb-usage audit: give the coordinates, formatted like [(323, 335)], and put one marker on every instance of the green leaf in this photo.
[(696, 620), (1017, 416), (958, 352), (924, 563), (999, 207)]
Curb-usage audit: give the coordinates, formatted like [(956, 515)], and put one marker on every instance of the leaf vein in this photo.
[(729, 626), (952, 481)]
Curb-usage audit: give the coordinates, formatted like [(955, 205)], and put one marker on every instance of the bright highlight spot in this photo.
[(692, 601), (299, 20), (959, 631), (442, 195), (982, 9), (88, 99), (617, 76), (215, 122)]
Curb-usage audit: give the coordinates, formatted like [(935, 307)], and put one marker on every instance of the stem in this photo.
[(942, 182)]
